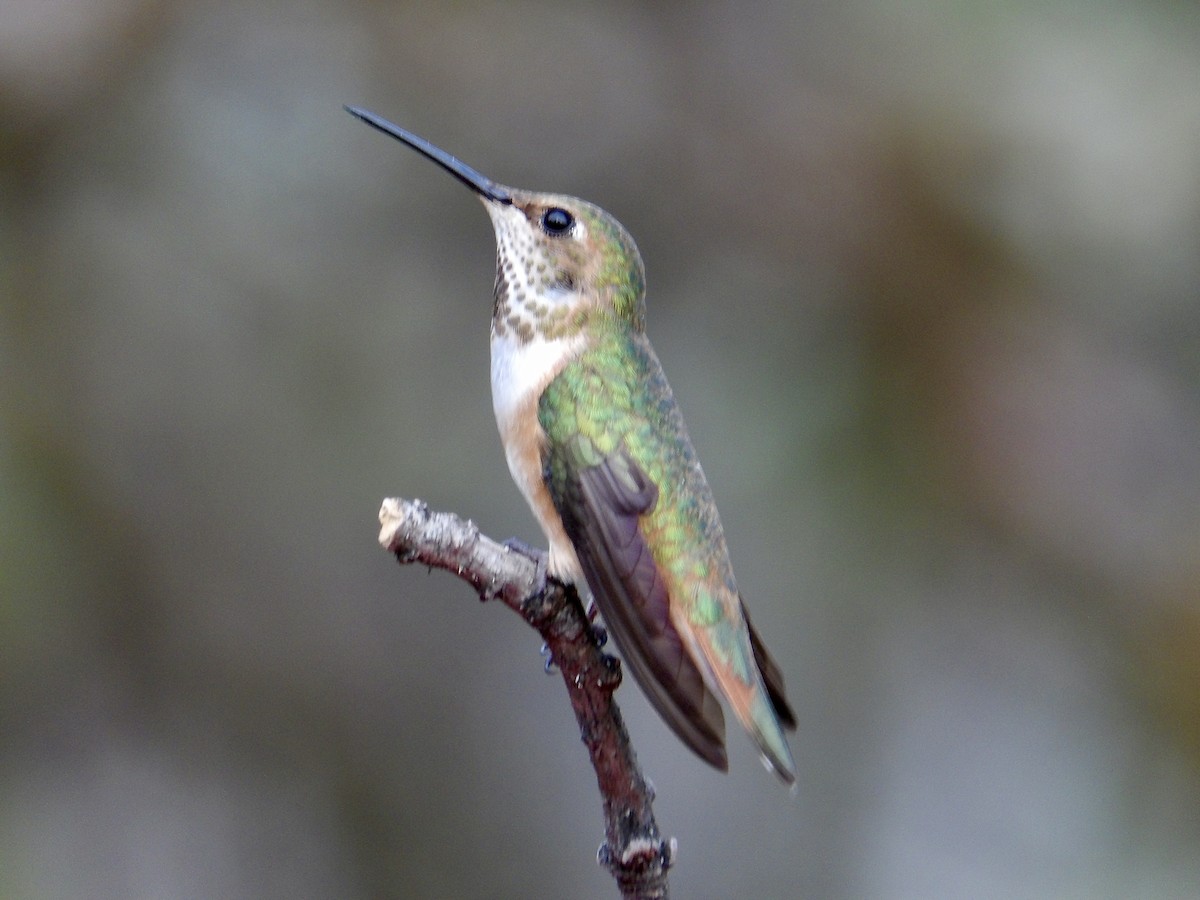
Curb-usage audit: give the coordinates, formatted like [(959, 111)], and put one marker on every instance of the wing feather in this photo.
[(601, 505)]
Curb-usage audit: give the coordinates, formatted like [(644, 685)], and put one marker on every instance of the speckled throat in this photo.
[(537, 277)]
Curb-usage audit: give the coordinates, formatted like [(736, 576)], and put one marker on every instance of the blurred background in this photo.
[(925, 280)]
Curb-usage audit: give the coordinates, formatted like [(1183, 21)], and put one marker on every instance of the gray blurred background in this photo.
[(924, 277)]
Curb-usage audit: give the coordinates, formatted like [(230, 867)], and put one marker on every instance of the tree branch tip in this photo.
[(395, 514), (639, 849), (640, 854)]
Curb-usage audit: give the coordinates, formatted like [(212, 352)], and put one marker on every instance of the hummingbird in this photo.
[(596, 443)]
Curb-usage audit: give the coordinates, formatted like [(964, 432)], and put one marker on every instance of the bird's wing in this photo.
[(601, 505), (593, 413)]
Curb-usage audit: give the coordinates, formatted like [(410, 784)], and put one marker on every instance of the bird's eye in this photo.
[(557, 221)]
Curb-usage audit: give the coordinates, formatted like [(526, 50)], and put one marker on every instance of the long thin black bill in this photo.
[(452, 164)]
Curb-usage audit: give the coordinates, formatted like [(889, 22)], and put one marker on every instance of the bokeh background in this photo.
[(925, 279)]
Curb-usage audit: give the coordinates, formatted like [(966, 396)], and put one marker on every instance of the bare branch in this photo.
[(633, 851)]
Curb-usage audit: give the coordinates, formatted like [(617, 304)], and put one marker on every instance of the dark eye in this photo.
[(557, 220)]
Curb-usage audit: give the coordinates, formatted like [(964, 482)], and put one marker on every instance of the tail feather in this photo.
[(764, 727), (771, 675), (754, 692)]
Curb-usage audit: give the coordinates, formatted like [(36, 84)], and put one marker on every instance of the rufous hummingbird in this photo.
[(596, 443)]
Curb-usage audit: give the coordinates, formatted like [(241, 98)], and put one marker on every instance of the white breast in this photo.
[(520, 372), (521, 369)]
